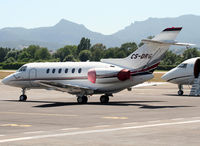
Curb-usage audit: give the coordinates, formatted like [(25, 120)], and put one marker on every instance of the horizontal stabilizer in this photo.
[(146, 41)]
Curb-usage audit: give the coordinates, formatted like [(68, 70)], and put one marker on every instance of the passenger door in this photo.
[(32, 76)]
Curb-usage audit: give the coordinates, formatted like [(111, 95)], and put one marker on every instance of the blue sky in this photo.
[(104, 16)]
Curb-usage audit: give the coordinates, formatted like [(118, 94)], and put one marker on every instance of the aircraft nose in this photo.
[(165, 76), (7, 80)]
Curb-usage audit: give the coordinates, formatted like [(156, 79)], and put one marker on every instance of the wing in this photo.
[(70, 88)]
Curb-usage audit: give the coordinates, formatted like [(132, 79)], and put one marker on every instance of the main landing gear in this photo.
[(82, 99), (104, 99), (180, 92), (23, 97)]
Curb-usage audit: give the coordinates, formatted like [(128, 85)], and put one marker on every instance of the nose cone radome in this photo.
[(7, 80), (165, 77)]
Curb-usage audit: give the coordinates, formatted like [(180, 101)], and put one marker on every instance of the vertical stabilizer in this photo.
[(150, 54)]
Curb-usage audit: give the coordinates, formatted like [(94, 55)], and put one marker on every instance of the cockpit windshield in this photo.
[(183, 65), (22, 69)]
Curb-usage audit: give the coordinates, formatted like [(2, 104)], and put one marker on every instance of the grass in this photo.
[(3, 74), (157, 77)]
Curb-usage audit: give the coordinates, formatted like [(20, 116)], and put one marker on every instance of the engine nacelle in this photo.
[(108, 75)]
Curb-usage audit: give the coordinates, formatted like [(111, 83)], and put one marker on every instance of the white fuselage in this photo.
[(183, 74), (57, 73)]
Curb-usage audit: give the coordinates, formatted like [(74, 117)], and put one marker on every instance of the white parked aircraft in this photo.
[(184, 74), (105, 77)]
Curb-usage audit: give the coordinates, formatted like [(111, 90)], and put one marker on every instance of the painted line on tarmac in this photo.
[(38, 114), (177, 119), (65, 129), (116, 118), (34, 132), (14, 125), (154, 121), (2, 135), (130, 123), (101, 126), (96, 131)]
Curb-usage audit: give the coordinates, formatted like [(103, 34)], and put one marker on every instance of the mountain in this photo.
[(63, 33), (142, 29), (69, 33)]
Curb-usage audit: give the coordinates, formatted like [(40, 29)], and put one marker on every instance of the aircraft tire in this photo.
[(23, 98), (180, 92), (82, 99), (104, 99)]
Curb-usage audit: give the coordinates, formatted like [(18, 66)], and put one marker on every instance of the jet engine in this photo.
[(108, 75), (197, 67)]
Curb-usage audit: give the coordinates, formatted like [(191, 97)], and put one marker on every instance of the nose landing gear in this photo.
[(23, 97), (180, 92), (82, 99)]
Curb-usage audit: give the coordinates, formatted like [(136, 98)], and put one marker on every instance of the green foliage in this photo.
[(83, 45), (190, 53), (83, 52), (69, 58), (85, 55), (13, 65), (65, 51), (10, 60), (171, 59), (165, 67), (97, 52), (42, 54), (3, 53), (128, 48)]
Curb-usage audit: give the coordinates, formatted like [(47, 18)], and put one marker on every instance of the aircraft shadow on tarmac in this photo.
[(185, 95), (140, 104)]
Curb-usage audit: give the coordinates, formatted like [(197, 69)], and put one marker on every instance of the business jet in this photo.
[(106, 77), (185, 74)]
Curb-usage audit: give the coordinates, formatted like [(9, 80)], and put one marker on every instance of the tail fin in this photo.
[(149, 55)]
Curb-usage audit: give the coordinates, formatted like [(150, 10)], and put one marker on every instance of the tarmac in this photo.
[(147, 115)]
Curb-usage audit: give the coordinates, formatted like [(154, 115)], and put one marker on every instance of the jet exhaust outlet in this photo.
[(124, 74)]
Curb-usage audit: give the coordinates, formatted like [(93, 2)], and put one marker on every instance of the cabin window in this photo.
[(48, 70), (60, 70), (73, 70), (79, 70), (53, 71), (183, 65), (66, 70), (23, 69)]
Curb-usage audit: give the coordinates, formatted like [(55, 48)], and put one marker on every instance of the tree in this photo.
[(3, 53), (42, 54), (85, 55), (24, 56), (110, 53), (171, 58), (65, 51), (10, 60), (31, 50), (190, 53), (97, 51), (13, 53), (69, 58), (129, 47), (83, 45)]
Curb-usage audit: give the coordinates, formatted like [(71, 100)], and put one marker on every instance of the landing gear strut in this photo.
[(104, 99), (82, 99), (23, 97), (180, 92)]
